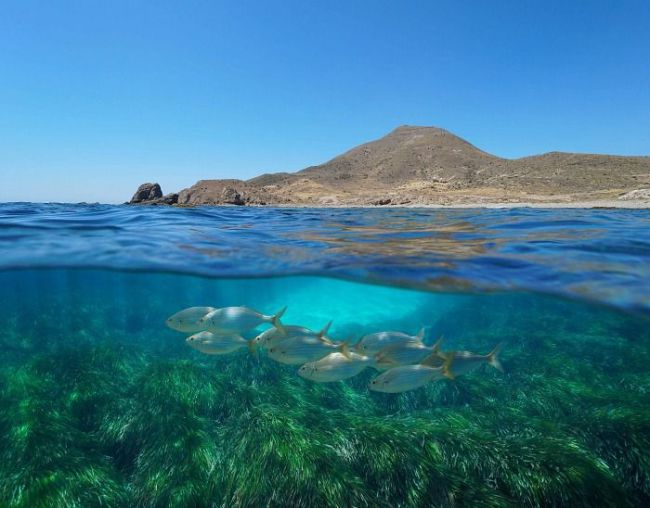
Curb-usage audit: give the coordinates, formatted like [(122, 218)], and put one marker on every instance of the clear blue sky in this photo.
[(97, 97)]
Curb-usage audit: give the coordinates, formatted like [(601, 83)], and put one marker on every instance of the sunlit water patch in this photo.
[(102, 404)]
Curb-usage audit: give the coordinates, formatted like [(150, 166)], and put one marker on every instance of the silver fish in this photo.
[(410, 377), (374, 342), (239, 319), (299, 350), (273, 336), (408, 353), (189, 320), (217, 344), (466, 362), (335, 367)]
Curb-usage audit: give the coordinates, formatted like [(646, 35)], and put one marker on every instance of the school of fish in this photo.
[(405, 361)]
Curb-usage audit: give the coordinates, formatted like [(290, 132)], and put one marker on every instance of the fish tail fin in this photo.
[(275, 320), (324, 331), (345, 350), (446, 368), (252, 347), (421, 333), (493, 357)]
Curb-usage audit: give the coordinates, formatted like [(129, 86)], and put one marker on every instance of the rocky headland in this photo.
[(428, 166)]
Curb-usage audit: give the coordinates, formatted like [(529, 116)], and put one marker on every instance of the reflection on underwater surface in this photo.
[(102, 404), (598, 255)]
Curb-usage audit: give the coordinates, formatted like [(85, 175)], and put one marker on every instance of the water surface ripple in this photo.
[(599, 255)]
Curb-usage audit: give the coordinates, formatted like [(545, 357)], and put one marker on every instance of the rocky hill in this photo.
[(428, 166)]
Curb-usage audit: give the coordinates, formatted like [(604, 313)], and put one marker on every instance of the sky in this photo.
[(97, 97)]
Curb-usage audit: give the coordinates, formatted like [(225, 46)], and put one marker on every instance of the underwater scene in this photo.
[(514, 369)]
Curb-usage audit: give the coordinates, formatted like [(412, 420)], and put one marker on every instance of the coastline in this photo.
[(596, 204), (632, 205)]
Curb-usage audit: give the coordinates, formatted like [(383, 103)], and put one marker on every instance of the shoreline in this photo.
[(593, 204), (596, 204)]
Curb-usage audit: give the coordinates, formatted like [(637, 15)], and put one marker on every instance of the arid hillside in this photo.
[(429, 166)]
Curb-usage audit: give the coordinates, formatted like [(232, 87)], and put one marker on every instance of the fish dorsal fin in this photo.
[(436, 346), (446, 368), (345, 350), (324, 340), (421, 333), (325, 329)]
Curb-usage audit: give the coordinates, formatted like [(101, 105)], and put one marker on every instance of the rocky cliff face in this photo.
[(427, 165)]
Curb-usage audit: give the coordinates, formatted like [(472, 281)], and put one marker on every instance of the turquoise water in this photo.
[(102, 405)]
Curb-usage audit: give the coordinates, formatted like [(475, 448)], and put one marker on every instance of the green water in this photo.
[(102, 405)]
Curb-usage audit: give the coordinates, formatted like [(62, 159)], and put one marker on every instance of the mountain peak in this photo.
[(417, 128), (418, 164), (406, 154)]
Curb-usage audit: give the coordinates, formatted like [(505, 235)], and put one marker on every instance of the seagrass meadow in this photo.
[(102, 405)]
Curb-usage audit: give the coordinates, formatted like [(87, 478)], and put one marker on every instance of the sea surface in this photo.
[(101, 404)]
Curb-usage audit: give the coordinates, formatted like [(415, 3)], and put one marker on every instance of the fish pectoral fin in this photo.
[(384, 358), (388, 349)]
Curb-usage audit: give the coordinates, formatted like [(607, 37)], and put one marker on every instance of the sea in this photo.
[(102, 404)]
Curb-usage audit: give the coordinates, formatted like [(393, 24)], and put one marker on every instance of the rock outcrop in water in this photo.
[(431, 166), (151, 194), (147, 192)]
